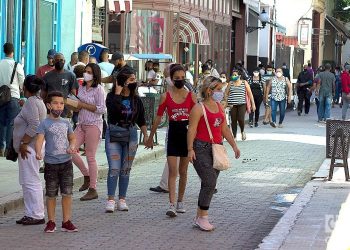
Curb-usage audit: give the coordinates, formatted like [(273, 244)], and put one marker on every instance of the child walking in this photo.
[(58, 171)]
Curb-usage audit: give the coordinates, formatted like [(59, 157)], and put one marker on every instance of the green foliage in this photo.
[(339, 13)]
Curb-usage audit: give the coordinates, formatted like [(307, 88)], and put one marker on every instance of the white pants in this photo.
[(31, 185)]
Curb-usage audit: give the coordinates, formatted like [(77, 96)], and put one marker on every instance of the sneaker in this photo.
[(265, 123), (299, 113), (158, 189), (273, 124), (251, 124), (244, 136), (203, 224), (31, 221), (110, 206), (50, 227), (121, 205), (280, 125), (20, 221), (68, 227), (180, 207), (171, 212)]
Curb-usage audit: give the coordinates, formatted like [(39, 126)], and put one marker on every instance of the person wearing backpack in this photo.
[(11, 81)]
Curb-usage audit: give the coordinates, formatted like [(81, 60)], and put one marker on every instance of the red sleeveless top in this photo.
[(215, 121), (176, 112)]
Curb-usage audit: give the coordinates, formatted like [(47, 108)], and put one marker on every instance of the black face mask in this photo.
[(179, 83), (305, 70), (132, 86), (59, 65)]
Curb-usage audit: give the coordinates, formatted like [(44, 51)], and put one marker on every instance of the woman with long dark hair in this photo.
[(125, 111), (178, 102), (89, 130), (256, 86)]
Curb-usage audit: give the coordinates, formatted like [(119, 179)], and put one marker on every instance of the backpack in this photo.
[(5, 91)]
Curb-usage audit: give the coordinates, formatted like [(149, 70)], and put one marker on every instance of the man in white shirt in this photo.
[(9, 110), (105, 64)]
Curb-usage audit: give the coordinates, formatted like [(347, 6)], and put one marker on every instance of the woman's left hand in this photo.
[(237, 152), (23, 149)]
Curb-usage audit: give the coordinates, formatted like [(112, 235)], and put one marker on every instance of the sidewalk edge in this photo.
[(275, 239), (15, 200)]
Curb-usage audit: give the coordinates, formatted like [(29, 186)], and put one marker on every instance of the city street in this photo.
[(252, 196)]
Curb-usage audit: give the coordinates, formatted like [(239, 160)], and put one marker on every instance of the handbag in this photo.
[(119, 134), (220, 156), (11, 153), (5, 91)]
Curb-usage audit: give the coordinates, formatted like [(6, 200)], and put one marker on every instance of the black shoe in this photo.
[(273, 124), (299, 113), (265, 123), (251, 124), (158, 189), (41, 170), (256, 124), (20, 221), (31, 221), (215, 190)]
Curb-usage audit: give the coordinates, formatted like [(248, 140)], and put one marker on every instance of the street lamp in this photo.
[(264, 19)]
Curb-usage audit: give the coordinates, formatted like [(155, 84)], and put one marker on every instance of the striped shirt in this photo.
[(236, 95), (93, 96)]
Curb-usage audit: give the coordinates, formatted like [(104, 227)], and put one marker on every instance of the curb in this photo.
[(15, 200), (276, 238)]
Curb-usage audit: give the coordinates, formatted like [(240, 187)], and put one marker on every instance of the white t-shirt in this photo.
[(151, 74)]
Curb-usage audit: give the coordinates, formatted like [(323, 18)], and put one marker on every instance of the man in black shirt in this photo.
[(304, 83), (119, 64)]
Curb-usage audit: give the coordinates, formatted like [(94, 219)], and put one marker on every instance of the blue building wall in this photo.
[(68, 29)]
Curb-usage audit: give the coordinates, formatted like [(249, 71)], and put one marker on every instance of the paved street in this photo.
[(253, 195)]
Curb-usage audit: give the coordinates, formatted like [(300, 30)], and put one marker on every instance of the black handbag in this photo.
[(119, 134), (5, 91), (11, 153)]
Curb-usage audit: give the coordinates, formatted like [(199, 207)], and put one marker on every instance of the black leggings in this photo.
[(237, 115), (257, 100)]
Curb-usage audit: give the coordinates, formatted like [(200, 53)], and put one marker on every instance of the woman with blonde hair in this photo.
[(199, 144)]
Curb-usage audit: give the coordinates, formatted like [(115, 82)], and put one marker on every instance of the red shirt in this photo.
[(215, 121), (43, 70), (176, 112), (345, 82)]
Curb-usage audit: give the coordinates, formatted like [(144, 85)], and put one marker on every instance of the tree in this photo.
[(339, 13)]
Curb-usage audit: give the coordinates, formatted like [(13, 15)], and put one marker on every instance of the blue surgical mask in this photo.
[(218, 96), (234, 78)]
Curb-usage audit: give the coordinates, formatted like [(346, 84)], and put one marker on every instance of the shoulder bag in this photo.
[(5, 91), (220, 156), (119, 134)]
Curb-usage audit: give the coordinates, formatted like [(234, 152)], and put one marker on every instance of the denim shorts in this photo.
[(58, 176)]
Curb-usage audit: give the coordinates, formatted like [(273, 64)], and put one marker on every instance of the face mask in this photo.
[(234, 78), (56, 113), (284, 67), (168, 81), (132, 86), (278, 74), (179, 83), (59, 65), (218, 96), (262, 72), (268, 72), (223, 79), (256, 73), (88, 77), (305, 70)]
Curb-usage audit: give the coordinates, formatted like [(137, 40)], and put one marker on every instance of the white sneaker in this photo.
[(121, 205), (110, 205), (180, 207), (171, 212)]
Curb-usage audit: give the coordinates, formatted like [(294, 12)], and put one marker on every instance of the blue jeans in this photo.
[(282, 108), (324, 110), (8, 113), (120, 158)]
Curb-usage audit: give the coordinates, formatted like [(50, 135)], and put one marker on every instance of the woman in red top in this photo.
[(178, 102), (200, 145)]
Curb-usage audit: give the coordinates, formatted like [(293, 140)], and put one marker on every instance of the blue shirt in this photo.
[(56, 133), (106, 66)]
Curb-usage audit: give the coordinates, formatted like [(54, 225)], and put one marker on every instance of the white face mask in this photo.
[(88, 77), (223, 79), (279, 74), (256, 73), (262, 72)]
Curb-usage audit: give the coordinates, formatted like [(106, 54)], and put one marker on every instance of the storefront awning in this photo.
[(192, 30), (338, 25), (120, 6)]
